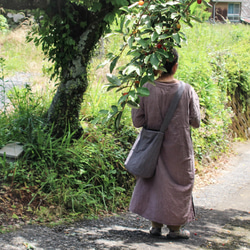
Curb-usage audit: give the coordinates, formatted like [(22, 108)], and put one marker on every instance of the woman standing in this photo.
[(166, 198)]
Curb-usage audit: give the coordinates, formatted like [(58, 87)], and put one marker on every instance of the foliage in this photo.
[(3, 24), (87, 175), (200, 11), (217, 68), (83, 176), (150, 31), (69, 32), (63, 35)]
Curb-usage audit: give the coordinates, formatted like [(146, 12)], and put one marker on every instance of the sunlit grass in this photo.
[(20, 56), (89, 174)]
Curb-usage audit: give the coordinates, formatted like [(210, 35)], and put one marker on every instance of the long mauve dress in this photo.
[(167, 197)]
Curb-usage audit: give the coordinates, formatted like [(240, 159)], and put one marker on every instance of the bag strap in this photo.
[(172, 107)]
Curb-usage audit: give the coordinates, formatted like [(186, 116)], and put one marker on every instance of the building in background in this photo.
[(234, 11)]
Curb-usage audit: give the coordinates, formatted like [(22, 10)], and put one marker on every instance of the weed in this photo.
[(87, 177)]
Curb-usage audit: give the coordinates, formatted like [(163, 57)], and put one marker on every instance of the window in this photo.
[(233, 14)]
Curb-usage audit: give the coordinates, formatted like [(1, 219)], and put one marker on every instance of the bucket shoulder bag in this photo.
[(143, 157)]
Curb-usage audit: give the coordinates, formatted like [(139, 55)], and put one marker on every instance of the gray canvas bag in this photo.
[(143, 156)]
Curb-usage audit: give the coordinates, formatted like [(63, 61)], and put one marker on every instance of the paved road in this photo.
[(18, 80), (223, 221)]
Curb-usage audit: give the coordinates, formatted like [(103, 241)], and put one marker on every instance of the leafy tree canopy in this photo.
[(70, 30), (150, 30)]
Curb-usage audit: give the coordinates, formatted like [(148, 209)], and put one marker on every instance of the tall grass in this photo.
[(88, 175), (20, 56), (212, 61)]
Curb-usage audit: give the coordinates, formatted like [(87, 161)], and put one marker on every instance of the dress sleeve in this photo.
[(194, 110), (138, 116)]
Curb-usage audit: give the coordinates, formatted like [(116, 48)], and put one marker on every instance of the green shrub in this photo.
[(3, 24), (87, 176)]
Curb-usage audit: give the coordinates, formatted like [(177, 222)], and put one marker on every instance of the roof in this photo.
[(246, 20)]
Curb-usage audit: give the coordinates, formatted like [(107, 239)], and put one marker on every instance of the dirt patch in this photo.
[(15, 209)]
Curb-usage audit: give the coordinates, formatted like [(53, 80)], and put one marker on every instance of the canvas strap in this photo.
[(172, 107)]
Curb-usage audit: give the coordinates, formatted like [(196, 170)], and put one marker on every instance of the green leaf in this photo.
[(109, 18), (143, 91), (134, 53), (130, 41), (151, 76), (143, 42), (113, 79), (83, 24), (113, 64), (132, 94), (196, 19), (111, 87), (132, 68), (118, 120), (154, 36), (177, 38), (14, 216), (158, 28), (162, 53), (110, 56), (144, 80), (164, 36), (122, 99), (125, 9), (114, 108), (122, 20), (154, 61), (147, 58), (133, 105), (162, 69)]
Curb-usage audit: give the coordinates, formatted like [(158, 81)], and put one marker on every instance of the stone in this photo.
[(17, 18), (12, 151)]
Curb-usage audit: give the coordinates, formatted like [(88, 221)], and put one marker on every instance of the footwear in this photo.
[(180, 234), (155, 231)]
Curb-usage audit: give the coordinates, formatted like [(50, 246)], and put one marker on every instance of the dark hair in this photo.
[(173, 59)]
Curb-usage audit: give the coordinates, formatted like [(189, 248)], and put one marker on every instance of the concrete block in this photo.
[(12, 150)]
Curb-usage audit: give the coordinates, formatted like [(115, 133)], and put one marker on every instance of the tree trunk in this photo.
[(65, 107), (86, 29), (24, 4)]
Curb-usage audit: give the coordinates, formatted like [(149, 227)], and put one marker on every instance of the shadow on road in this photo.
[(213, 229)]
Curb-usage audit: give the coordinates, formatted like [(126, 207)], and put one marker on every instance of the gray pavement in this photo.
[(18, 80)]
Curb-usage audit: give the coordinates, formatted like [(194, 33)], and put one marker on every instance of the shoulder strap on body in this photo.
[(172, 107)]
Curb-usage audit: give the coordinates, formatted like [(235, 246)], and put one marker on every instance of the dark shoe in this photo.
[(155, 231), (180, 234)]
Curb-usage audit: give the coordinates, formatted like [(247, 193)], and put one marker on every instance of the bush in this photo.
[(215, 66), (3, 24)]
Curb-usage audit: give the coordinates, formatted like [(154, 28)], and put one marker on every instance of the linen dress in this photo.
[(166, 198)]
